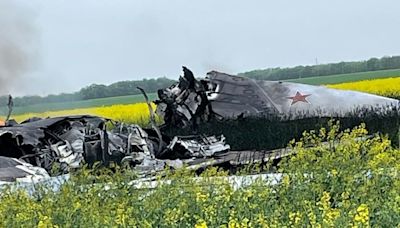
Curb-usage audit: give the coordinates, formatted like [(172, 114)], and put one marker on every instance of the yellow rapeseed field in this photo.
[(133, 113), (389, 87)]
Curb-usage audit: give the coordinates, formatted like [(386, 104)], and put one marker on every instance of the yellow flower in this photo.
[(261, 220), (44, 222), (172, 216), (345, 195), (362, 215), (329, 215), (200, 197), (294, 218), (286, 180), (334, 172), (246, 223), (324, 202), (121, 215), (77, 205), (332, 214), (201, 224), (234, 224)]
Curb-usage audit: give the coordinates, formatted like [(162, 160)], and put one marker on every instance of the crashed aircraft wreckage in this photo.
[(36, 148), (224, 96)]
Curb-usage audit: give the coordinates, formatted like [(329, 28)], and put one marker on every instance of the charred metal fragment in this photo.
[(69, 142), (10, 106), (185, 103)]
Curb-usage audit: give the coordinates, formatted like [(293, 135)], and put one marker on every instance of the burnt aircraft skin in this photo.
[(31, 149), (225, 96), (63, 140)]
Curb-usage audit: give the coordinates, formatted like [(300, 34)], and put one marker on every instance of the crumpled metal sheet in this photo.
[(70, 142), (43, 142), (199, 146), (183, 103), (12, 169), (223, 96)]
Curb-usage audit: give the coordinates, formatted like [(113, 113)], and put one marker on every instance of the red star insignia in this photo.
[(299, 97)]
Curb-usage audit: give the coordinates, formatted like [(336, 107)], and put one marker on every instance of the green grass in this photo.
[(38, 108), (340, 78)]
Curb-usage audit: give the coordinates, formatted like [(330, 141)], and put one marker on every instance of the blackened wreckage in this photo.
[(37, 148)]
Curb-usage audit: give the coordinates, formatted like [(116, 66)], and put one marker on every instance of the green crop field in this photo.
[(340, 78), (38, 108)]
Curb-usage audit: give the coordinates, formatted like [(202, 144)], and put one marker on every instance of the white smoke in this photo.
[(17, 44)]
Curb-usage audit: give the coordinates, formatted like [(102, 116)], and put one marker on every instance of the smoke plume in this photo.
[(17, 44)]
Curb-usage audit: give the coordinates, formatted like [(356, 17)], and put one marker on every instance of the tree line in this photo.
[(373, 64), (121, 88)]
